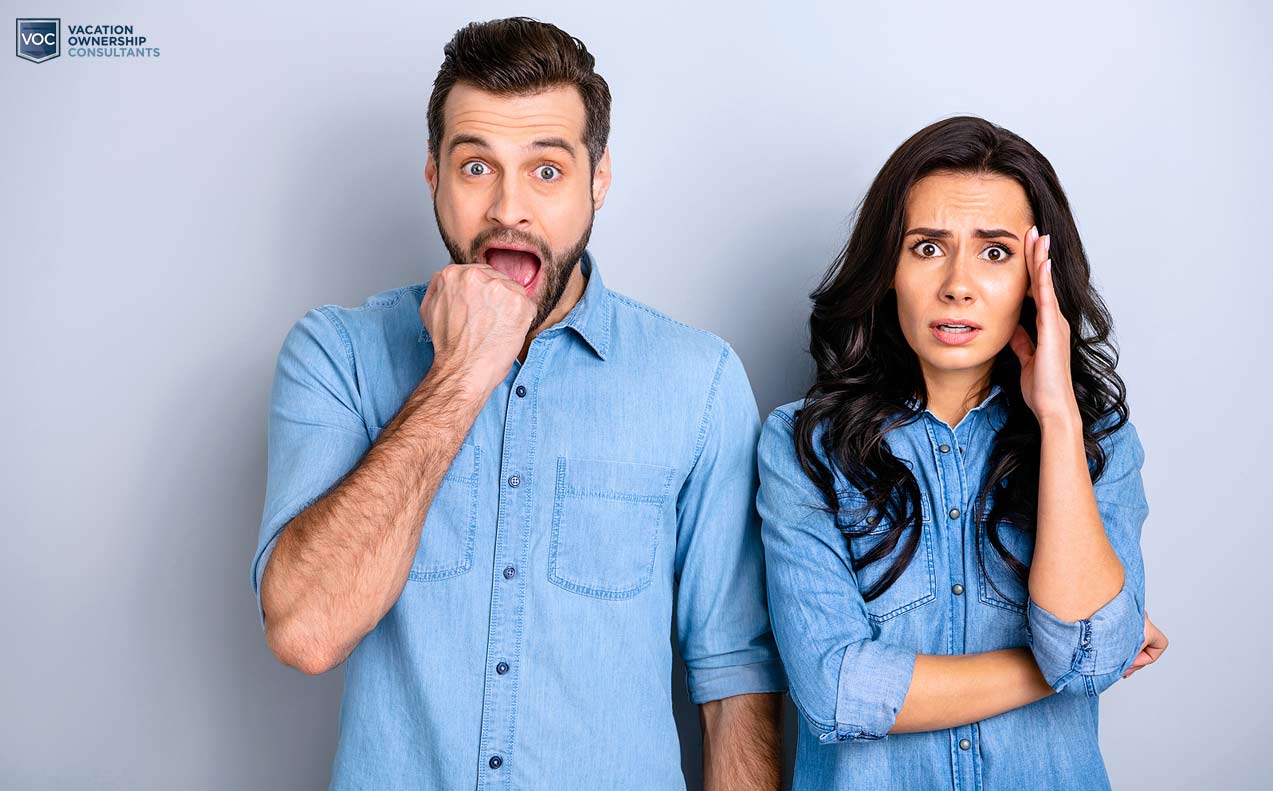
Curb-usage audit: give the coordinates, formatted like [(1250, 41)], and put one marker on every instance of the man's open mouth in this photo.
[(517, 263)]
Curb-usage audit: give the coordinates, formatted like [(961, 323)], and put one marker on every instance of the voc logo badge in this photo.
[(39, 39)]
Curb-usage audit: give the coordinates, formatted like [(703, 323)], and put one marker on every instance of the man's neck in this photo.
[(575, 286)]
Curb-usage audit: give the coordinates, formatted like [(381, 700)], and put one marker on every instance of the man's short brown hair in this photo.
[(519, 56)]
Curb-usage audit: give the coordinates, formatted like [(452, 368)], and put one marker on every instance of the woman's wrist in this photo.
[(1062, 419)]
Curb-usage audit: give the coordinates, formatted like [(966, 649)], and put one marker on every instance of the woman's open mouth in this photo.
[(954, 333), (518, 264)]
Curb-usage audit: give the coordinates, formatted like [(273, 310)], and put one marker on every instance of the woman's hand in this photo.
[(1046, 384), (1153, 647)]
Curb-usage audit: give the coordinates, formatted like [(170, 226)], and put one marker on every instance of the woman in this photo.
[(951, 516)]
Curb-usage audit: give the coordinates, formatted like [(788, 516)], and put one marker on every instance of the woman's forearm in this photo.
[(1074, 571), (950, 691)]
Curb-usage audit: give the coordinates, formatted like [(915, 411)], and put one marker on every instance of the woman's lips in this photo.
[(954, 333)]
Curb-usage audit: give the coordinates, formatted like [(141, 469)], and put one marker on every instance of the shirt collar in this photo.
[(992, 407), (589, 318)]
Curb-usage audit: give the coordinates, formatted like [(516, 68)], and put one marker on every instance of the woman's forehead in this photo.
[(967, 201)]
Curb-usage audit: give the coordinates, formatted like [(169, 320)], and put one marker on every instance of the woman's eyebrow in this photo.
[(942, 233), (995, 233)]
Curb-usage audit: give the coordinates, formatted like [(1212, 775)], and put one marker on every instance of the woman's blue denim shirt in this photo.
[(849, 661)]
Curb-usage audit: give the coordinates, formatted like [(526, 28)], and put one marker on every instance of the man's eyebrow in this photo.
[(942, 233), (467, 140), (543, 142), (554, 142)]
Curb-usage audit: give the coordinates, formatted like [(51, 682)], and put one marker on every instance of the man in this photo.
[(487, 497)]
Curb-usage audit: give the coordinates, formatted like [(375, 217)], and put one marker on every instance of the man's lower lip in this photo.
[(954, 338)]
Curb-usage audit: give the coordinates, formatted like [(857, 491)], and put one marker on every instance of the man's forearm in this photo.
[(742, 743), (341, 563), (950, 691)]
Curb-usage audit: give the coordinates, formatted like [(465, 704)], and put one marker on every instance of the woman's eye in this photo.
[(474, 169), (927, 250), (996, 253), (547, 172)]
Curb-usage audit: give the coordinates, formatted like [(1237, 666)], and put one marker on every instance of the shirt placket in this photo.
[(508, 588), (949, 449)]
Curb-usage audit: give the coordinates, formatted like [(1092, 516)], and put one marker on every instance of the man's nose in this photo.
[(510, 206)]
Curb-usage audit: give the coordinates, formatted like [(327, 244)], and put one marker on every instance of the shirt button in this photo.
[(509, 572), (954, 513), (957, 589), (515, 481), (496, 762), (501, 668), (521, 391), (944, 448), (964, 744)]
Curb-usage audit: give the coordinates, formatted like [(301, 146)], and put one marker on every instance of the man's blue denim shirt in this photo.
[(850, 661), (608, 482)]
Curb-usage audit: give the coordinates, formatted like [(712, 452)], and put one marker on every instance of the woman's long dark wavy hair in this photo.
[(868, 379)]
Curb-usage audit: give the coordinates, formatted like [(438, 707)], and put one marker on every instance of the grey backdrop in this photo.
[(166, 220)]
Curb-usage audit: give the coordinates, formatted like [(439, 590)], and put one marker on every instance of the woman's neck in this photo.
[(953, 394)]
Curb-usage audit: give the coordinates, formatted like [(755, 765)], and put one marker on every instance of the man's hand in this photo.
[(477, 318), (1153, 647)]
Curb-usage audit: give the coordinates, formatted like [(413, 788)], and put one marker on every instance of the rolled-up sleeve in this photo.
[(316, 433), (722, 619), (846, 683), (1087, 656)]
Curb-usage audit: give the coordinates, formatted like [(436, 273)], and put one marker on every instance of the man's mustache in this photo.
[(508, 237)]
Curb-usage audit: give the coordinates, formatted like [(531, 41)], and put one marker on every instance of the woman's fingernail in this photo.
[(1034, 232), (1047, 266), (1047, 242)]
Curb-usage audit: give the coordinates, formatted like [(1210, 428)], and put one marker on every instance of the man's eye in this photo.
[(927, 250), (996, 253), (547, 172), (474, 169)]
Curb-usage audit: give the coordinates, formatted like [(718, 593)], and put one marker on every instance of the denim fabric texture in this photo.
[(608, 482), (850, 661)]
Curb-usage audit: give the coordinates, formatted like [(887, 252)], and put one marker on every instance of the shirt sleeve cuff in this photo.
[(874, 679), (1096, 649), (258, 570), (715, 683)]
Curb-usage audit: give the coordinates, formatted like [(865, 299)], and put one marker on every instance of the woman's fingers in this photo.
[(1150, 650), (1022, 346), (1031, 237)]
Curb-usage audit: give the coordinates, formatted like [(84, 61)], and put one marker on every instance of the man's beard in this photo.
[(554, 267)]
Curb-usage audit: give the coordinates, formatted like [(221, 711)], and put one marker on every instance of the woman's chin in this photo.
[(956, 359)]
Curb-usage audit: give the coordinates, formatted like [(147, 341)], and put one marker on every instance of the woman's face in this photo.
[(961, 276)]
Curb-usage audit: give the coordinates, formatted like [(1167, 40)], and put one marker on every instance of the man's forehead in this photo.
[(554, 112)]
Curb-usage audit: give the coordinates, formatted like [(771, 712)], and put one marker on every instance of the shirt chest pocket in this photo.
[(450, 528), (864, 529), (998, 585), (606, 524)]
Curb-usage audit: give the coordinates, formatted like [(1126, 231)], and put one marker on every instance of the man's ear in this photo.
[(431, 174), (601, 180)]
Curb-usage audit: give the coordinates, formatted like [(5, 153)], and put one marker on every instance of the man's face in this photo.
[(513, 188)]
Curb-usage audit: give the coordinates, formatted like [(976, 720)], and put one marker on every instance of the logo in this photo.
[(39, 39)]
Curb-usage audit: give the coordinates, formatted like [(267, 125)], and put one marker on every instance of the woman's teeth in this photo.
[(955, 327)]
